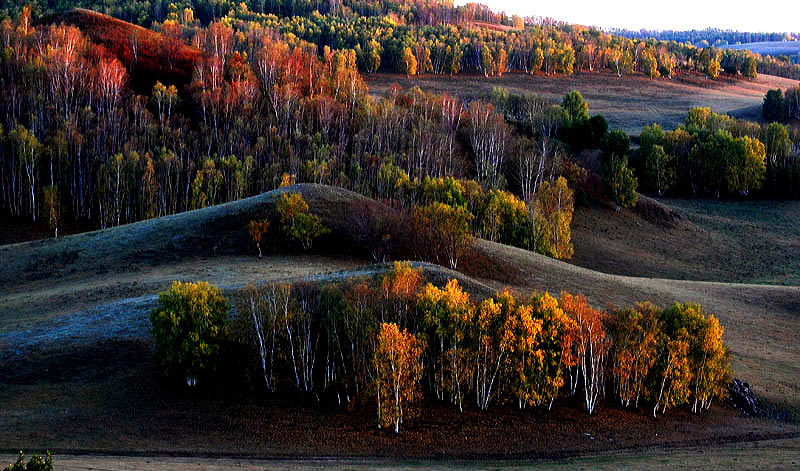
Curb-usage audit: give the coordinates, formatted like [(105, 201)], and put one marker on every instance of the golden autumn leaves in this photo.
[(500, 349), (397, 339)]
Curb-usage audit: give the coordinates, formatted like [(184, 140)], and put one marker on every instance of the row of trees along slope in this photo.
[(395, 339), (434, 37)]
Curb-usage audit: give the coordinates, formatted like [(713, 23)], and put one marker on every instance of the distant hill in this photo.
[(156, 58), (773, 48)]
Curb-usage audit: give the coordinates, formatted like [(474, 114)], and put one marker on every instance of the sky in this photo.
[(759, 16)]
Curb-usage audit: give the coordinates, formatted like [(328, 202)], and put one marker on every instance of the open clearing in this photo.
[(75, 344), (628, 103)]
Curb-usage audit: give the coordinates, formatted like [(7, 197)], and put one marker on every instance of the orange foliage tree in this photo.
[(398, 367), (525, 363), (399, 289), (257, 229), (592, 345), (635, 334)]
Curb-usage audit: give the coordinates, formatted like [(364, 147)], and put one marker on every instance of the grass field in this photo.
[(713, 240), (628, 103)]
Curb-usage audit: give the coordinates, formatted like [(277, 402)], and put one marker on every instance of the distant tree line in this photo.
[(421, 37), (716, 155), (707, 37)]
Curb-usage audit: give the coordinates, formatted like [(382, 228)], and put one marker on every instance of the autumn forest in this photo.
[(424, 272)]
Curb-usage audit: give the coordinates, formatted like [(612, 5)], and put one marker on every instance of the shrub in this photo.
[(188, 325), (36, 463), (297, 223)]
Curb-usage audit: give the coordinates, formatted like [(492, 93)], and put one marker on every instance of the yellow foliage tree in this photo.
[(552, 349), (635, 333), (553, 217), (712, 368), (297, 223), (493, 336), (409, 62), (675, 375), (528, 358), (446, 314)]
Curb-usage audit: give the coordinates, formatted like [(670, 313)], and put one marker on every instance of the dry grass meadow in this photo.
[(628, 103)]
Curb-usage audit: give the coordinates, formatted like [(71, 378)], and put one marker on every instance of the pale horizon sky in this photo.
[(762, 16)]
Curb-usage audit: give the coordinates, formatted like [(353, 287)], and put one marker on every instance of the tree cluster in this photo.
[(36, 463), (397, 338), (716, 155)]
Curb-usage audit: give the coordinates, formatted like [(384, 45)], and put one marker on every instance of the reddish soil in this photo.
[(151, 63)]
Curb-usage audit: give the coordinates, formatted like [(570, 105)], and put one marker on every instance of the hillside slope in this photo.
[(709, 240), (628, 103)]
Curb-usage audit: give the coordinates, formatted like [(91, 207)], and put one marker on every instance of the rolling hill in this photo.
[(91, 293)]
